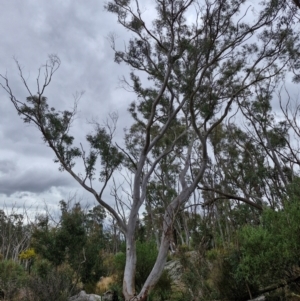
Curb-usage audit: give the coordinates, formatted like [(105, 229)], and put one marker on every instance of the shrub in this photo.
[(48, 283), (12, 278), (276, 239)]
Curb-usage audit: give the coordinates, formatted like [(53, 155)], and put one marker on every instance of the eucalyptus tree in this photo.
[(200, 58), (237, 184), (254, 161), (270, 134)]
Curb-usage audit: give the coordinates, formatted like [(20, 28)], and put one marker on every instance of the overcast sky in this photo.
[(77, 32)]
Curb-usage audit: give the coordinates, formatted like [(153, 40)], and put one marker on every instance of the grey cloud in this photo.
[(33, 180), (77, 32), (7, 166)]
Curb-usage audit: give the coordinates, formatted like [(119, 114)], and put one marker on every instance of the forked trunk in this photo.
[(129, 273)]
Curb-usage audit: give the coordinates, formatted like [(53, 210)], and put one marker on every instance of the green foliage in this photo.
[(264, 253), (44, 241), (224, 276), (77, 240), (163, 289), (71, 235), (12, 278), (54, 125), (42, 267), (268, 252), (210, 275), (119, 264), (244, 214), (101, 145), (146, 256), (269, 249), (49, 283), (201, 233)]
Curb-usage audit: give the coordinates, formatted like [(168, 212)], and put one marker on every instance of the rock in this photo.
[(83, 296), (174, 269)]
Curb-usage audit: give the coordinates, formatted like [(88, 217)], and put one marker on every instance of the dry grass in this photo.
[(103, 285)]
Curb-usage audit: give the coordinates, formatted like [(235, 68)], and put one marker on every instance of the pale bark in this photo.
[(130, 267)]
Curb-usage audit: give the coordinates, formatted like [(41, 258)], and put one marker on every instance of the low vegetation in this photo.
[(78, 252)]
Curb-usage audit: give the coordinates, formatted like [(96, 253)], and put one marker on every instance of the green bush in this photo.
[(12, 278), (41, 268), (220, 275), (77, 240), (269, 249), (228, 284), (48, 283), (146, 256)]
